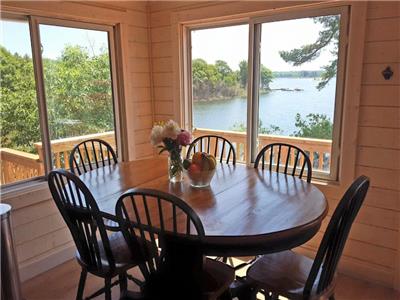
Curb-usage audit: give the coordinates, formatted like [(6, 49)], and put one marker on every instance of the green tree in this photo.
[(78, 95), (78, 90), (214, 81), (243, 70), (307, 53), (266, 77), (272, 129), (223, 68), (18, 106), (317, 126)]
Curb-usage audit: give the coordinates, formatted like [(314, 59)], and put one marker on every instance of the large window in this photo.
[(54, 94), (295, 73)]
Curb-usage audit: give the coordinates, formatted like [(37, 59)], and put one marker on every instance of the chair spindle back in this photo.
[(293, 158), (146, 216), (334, 240), (91, 154), (218, 146), (82, 216)]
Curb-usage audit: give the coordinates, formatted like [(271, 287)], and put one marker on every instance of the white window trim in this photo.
[(39, 182)]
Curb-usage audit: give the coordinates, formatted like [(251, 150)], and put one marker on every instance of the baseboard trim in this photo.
[(47, 261)]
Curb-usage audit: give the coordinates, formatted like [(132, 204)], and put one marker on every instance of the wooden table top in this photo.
[(245, 211)]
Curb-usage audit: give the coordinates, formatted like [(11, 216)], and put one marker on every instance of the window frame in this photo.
[(255, 22), (34, 22)]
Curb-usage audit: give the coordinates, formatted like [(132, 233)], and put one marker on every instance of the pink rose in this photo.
[(184, 138)]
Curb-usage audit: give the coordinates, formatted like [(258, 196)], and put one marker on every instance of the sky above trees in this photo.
[(231, 44), (15, 37)]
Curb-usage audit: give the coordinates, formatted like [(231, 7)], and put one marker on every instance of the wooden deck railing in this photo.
[(318, 150), (17, 165), (61, 148)]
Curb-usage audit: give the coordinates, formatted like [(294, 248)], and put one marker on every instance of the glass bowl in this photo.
[(200, 179)]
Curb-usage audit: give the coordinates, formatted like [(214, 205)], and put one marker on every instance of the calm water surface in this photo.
[(277, 108)]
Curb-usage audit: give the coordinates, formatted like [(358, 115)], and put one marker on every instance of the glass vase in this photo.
[(175, 168)]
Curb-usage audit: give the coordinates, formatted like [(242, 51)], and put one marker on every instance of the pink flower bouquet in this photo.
[(170, 137)]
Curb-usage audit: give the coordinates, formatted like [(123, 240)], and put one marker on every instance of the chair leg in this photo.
[(225, 296), (123, 282), (81, 286), (248, 294), (107, 290), (231, 263), (274, 296)]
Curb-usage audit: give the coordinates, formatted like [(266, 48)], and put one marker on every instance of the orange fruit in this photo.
[(212, 162), (197, 158), (205, 166), (194, 168)]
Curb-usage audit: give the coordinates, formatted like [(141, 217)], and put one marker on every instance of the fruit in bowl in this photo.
[(200, 169)]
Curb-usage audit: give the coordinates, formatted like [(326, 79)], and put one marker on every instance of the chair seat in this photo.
[(284, 273), (121, 253), (217, 277)]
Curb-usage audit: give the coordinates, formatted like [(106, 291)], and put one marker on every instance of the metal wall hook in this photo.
[(387, 73)]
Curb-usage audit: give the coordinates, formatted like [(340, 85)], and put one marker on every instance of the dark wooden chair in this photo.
[(292, 157), (179, 271), (98, 252), (295, 276), (220, 147), (223, 151), (91, 154), (295, 160)]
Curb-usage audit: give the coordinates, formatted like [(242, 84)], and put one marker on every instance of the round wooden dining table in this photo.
[(245, 211)]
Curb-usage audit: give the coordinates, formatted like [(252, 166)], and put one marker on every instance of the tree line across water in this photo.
[(218, 81)]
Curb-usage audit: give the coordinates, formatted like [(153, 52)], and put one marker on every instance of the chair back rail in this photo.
[(91, 154), (220, 147), (83, 218), (334, 240), (293, 160), (147, 216)]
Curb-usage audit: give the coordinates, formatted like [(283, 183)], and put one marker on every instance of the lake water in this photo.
[(277, 108)]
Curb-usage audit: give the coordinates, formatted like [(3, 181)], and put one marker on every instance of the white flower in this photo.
[(171, 130), (157, 135)]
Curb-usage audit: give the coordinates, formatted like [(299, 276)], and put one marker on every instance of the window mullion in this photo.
[(188, 88), (45, 155), (119, 121), (253, 91)]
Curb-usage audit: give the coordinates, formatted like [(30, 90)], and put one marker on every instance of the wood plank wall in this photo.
[(378, 153), (373, 249), (372, 252), (41, 237)]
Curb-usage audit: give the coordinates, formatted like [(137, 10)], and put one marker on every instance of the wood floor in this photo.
[(61, 282)]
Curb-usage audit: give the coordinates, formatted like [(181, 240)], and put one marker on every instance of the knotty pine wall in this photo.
[(41, 237), (148, 50), (372, 251)]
